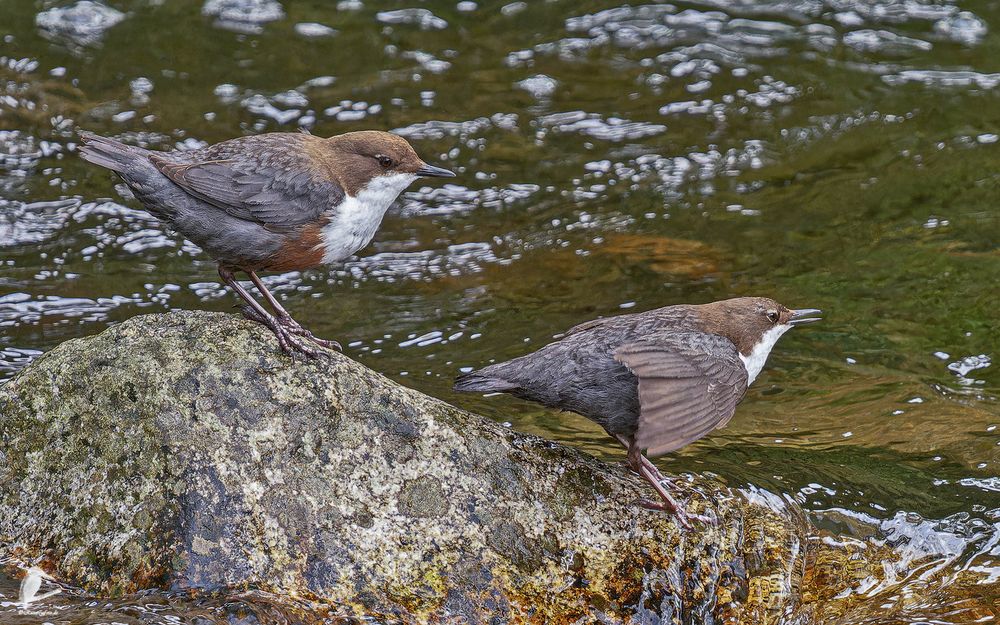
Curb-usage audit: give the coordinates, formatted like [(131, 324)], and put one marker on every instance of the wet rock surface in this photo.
[(182, 451)]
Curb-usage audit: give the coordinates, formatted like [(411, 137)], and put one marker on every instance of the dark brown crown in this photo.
[(742, 320)]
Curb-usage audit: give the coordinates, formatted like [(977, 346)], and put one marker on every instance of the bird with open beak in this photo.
[(655, 381)]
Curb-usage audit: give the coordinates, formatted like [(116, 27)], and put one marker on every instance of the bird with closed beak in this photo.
[(656, 380), (270, 202)]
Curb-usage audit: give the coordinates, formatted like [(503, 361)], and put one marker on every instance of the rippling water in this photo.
[(835, 154)]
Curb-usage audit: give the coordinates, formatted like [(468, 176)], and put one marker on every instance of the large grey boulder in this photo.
[(183, 451)]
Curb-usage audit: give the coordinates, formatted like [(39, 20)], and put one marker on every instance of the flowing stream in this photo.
[(836, 154)]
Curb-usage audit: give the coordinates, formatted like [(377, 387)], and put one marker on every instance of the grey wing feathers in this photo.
[(689, 384), (278, 196)]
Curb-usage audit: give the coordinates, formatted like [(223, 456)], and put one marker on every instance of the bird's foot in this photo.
[(684, 518), (293, 326), (288, 339), (661, 479), (663, 485)]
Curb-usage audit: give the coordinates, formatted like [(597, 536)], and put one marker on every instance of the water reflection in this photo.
[(832, 153), (81, 24)]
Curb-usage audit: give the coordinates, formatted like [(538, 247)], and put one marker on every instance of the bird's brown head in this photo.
[(358, 158), (751, 322)]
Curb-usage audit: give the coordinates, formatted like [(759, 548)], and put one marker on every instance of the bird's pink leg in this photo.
[(283, 317), (639, 463), (255, 312)]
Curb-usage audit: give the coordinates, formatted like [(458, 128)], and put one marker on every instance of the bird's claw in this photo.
[(684, 518), (293, 327), (288, 337), (289, 343)]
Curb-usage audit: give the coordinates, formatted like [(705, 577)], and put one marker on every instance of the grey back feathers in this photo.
[(267, 179), (226, 237)]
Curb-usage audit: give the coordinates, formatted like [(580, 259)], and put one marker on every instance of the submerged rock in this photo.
[(182, 451)]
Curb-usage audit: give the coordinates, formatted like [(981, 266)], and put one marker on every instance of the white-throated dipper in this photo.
[(655, 380), (271, 202)]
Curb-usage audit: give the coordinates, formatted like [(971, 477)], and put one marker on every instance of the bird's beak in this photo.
[(801, 316), (431, 171)]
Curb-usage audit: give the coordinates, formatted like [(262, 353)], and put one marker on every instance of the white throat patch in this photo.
[(755, 361), (353, 223)]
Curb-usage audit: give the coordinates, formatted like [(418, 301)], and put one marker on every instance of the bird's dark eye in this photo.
[(384, 161), (772, 316)]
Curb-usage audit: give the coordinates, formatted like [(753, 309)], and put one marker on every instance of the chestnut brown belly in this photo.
[(301, 250)]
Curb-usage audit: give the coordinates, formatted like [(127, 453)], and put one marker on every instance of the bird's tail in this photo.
[(108, 153), (477, 382)]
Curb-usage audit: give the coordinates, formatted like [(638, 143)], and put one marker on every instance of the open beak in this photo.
[(431, 171), (801, 316)]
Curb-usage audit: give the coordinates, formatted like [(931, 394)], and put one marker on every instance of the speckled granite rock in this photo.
[(181, 450)]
